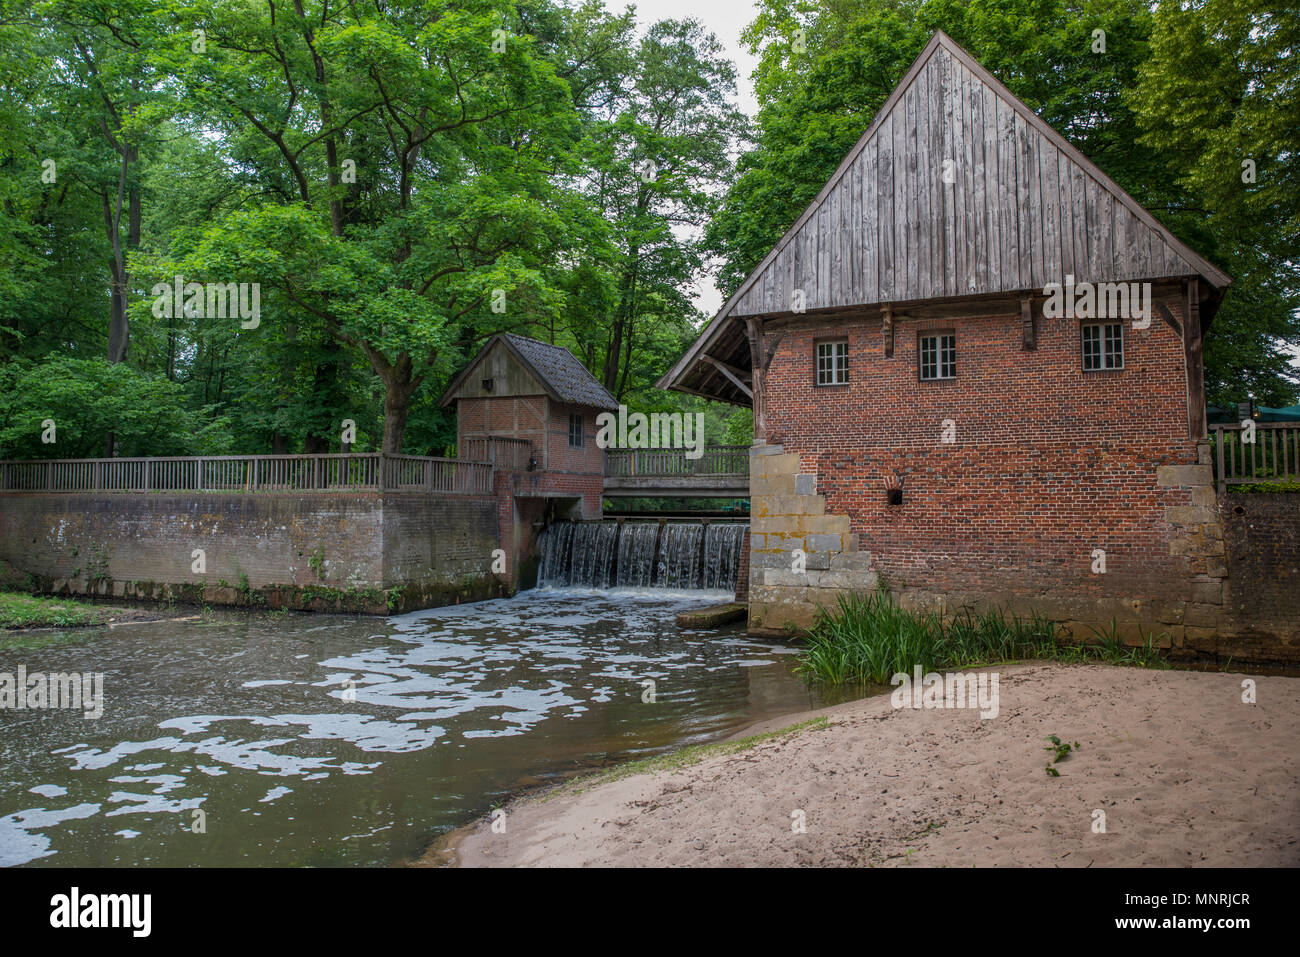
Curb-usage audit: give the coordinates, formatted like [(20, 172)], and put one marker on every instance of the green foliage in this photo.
[(401, 183), (401, 186), (1217, 98), (30, 611), (90, 398), (868, 638), (1289, 487), (1060, 750)]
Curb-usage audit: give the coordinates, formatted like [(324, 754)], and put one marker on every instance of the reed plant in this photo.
[(867, 638)]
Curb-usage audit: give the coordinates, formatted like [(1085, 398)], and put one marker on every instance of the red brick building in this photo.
[(523, 389), (926, 415)]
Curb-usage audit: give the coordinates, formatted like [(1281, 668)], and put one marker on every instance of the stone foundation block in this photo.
[(1171, 476)]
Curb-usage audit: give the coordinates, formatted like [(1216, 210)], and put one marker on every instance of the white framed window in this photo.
[(1103, 346), (937, 356), (833, 363), (575, 431)]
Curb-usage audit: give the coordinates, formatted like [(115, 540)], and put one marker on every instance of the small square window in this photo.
[(833, 363), (937, 356), (575, 431), (1103, 346)]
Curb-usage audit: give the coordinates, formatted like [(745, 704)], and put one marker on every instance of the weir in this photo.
[(628, 554)]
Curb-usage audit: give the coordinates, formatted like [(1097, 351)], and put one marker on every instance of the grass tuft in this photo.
[(868, 639)]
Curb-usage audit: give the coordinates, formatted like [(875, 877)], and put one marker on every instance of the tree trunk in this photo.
[(397, 404), (399, 387)]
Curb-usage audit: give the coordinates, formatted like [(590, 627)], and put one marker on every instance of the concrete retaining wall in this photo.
[(358, 552)]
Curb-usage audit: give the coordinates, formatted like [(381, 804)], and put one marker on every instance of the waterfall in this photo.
[(674, 555)]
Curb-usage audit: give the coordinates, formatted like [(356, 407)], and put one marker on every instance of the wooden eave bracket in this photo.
[(1169, 319), (732, 373)]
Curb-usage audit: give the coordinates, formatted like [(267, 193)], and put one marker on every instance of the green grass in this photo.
[(868, 639), (29, 611), (1265, 487)]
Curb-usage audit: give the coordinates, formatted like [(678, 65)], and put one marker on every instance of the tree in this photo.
[(1218, 99), (657, 163), (412, 157)]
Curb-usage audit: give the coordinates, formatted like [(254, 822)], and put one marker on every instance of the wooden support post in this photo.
[(1028, 333), (754, 332), (1194, 363), (1222, 476)]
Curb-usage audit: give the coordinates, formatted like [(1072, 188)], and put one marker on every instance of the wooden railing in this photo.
[(1274, 455), (363, 471), (504, 453), (716, 460)]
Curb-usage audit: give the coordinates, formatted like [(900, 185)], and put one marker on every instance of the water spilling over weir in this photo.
[(670, 555)]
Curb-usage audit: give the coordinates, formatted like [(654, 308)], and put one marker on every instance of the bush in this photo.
[(89, 399)]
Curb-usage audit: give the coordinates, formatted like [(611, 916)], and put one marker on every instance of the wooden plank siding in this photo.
[(1019, 212), (1021, 208)]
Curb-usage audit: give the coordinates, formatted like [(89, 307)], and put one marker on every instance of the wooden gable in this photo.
[(498, 365), (959, 189)]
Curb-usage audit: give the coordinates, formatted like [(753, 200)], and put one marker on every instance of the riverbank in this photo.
[(20, 612), (1178, 769)]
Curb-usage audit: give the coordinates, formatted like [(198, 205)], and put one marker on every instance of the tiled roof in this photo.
[(561, 372)]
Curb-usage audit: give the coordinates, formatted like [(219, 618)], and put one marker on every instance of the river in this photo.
[(240, 740)]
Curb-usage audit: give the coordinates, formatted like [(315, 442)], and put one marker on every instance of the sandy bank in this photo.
[(1184, 771)]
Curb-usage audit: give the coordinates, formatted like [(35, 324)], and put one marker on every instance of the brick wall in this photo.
[(589, 459), (520, 417), (1048, 465)]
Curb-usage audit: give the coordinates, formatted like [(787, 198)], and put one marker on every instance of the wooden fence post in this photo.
[(1218, 454)]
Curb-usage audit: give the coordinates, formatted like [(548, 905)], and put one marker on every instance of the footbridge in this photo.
[(722, 471)]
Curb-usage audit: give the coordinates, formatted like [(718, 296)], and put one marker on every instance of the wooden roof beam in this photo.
[(730, 373)]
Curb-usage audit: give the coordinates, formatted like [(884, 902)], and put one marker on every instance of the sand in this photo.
[(1184, 771)]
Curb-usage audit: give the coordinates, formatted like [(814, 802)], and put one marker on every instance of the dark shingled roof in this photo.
[(557, 369)]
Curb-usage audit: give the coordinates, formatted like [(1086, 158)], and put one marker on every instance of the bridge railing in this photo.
[(1273, 456), (716, 460), (504, 453), (353, 472)]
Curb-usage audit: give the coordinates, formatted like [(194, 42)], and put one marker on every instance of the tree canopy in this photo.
[(400, 182)]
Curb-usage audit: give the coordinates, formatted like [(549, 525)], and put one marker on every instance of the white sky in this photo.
[(725, 19)]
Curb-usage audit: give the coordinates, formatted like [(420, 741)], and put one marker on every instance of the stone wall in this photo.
[(361, 551), (742, 569), (1261, 594), (801, 558)]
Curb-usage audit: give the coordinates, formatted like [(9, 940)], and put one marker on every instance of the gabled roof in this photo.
[(556, 369), (956, 189)]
